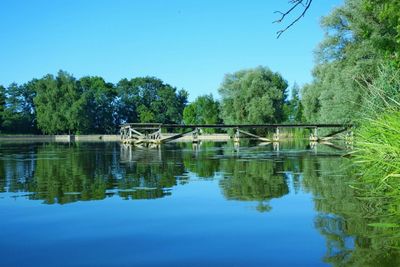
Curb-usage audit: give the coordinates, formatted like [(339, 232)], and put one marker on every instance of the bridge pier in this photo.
[(275, 137), (236, 138), (195, 135), (314, 136)]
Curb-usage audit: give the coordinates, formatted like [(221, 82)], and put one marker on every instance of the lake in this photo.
[(213, 204)]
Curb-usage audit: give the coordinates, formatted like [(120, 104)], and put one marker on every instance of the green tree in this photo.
[(19, 110), (60, 105), (99, 110), (148, 99), (385, 33), (204, 110), (127, 101), (253, 96), (360, 36), (294, 108)]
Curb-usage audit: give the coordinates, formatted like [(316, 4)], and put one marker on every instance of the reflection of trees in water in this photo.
[(253, 180), (155, 171), (66, 173), (17, 165), (343, 217), (202, 160)]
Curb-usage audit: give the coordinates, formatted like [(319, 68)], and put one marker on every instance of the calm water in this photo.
[(181, 205)]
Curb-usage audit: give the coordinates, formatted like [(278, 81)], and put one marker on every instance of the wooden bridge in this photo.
[(150, 133)]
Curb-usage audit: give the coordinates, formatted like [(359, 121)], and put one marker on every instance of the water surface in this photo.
[(106, 204)]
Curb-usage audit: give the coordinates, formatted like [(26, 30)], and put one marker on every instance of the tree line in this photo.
[(63, 104)]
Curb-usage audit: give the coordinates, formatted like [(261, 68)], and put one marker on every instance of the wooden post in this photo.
[(236, 137), (195, 135), (314, 136), (276, 135)]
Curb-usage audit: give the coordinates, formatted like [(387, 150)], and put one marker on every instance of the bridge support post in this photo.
[(236, 138), (314, 135), (276, 135), (195, 135)]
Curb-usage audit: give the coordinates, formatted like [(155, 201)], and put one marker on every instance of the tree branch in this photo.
[(295, 3)]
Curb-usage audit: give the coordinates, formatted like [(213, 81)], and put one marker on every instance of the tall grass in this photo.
[(378, 137), (378, 151), (378, 147)]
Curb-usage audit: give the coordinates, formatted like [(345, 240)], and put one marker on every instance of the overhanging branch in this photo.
[(295, 3)]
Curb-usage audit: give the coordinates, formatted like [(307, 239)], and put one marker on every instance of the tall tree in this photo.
[(60, 105), (253, 96)]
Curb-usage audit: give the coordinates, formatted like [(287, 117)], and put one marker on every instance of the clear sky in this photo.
[(188, 44)]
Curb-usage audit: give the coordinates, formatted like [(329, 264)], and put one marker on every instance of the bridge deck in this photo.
[(150, 133), (221, 126)]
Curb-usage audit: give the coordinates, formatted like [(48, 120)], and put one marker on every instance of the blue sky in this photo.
[(189, 44)]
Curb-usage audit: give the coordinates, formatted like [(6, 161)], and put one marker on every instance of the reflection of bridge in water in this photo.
[(150, 134)]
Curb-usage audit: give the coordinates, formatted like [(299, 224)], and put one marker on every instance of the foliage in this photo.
[(19, 112), (253, 96), (360, 35), (99, 105), (204, 110), (378, 153), (294, 108), (60, 104), (378, 143), (149, 99)]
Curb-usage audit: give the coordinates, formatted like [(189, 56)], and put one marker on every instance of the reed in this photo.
[(378, 134)]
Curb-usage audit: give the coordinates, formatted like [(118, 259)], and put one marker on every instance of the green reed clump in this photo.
[(378, 136), (378, 147), (378, 153)]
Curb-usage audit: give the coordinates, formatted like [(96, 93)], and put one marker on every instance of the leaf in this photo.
[(384, 225)]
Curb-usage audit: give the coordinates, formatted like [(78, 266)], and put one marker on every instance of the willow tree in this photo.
[(359, 37), (253, 96)]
